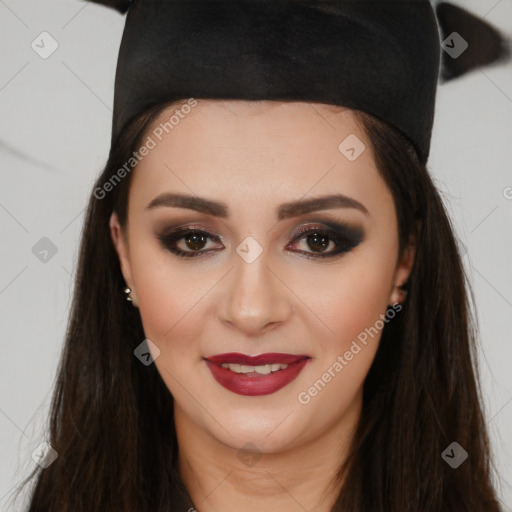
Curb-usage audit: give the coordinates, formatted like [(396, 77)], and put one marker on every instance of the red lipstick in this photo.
[(255, 383)]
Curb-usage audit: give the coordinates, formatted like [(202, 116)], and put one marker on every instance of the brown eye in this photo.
[(193, 244), (318, 242), (342, 238), (195, 241)]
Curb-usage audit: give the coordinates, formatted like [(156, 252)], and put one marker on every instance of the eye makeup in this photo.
[(343, 236), (337, 238)]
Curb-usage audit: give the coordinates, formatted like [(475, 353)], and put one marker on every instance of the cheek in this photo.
[(350, 297), (170, 302), (352, 308)]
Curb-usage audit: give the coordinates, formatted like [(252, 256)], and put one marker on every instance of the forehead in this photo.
[(266, 130), (269, 150)]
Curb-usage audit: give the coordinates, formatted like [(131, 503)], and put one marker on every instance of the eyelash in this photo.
[(345, 243)]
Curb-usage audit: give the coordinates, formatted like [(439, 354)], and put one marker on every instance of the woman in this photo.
[(297, 333)]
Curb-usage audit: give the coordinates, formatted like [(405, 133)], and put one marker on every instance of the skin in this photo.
[(254, 156)]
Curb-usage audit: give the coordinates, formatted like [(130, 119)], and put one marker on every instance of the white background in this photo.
[(54, 138)]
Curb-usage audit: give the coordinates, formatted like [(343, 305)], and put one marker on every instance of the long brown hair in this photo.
[(111, 419)]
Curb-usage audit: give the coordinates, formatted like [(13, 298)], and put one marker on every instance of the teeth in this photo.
[(263, 369)]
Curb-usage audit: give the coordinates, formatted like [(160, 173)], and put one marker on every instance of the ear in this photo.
[(403, 271), (121, 246)]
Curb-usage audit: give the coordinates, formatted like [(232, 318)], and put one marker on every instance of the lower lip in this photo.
[(255, 385)]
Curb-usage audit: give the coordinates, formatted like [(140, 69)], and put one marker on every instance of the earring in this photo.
[(402, 294), (128, 291), (399, 295)]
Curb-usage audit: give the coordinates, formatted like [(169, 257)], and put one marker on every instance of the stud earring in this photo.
[(399, 295), (127, 291)]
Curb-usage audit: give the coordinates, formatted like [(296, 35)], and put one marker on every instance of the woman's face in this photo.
[(255, 279)]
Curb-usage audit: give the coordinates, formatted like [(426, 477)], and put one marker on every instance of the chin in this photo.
[(274, 431)]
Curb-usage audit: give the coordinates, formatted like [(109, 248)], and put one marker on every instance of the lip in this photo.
[(251, 384)]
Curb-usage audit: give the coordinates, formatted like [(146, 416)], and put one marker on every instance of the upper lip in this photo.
[(261, 359)]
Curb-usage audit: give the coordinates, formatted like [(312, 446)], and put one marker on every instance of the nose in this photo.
[(255, 298)]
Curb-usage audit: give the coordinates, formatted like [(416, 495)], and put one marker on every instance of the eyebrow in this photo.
[(284, 211)]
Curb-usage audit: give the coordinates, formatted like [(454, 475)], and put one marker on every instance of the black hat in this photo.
[(378, 56)]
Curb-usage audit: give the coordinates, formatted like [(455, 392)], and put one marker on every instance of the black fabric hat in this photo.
[(378, 56)]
